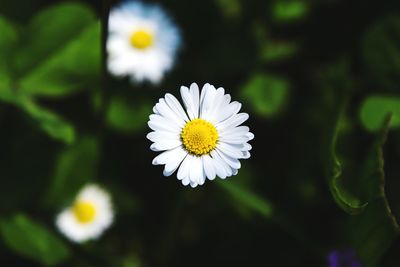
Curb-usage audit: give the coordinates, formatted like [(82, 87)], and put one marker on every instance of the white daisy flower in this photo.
[(142, 42), (203, 141), (88, 217)]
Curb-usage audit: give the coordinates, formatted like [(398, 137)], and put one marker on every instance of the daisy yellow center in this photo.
[(84, 211), (199, 137), (141, 39)]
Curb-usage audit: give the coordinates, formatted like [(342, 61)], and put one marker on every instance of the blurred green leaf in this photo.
[(51, 31), (289, 10), (229, 8), (8, 39), (339, 189), (375, 109), (48, 121), (376, 227), (245, 197), (381, 51), (32, 240), (60, 54), (354, 194), (273, 51), (131, 261), (372, 232), (267, 94), (68, 69), (75, 166), (127, 116)]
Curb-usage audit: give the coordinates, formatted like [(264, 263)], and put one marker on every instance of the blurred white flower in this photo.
[(142, 41), (88, 217), (203, 141)]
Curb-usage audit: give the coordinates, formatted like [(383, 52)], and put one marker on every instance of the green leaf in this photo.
[(289, 10), (75, 166), (267, 94), (50, 31), (62, 51), (343, 197), (381, 51), (375, 109), (68, 70), (377, 221), (48, 121), (246, 198), (273, 51), (128, 116), (33, 240), (8, 39), (229, 8), (354, 190), (372, 232)]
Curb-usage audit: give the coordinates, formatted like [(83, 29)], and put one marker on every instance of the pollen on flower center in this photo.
[(199, 137), (84, 211), (141, 39)]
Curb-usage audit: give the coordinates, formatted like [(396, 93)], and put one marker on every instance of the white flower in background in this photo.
[(89, 215), (203, 141), (142, 41)]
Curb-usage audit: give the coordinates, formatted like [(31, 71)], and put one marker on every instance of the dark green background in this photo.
[(279, 210)]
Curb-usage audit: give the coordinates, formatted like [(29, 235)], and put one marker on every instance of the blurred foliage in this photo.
[(319, 79), (55, 54), (289, 10), (381, 50), (266, 94), (244, 198), (272, 50), (33, 240), (229, 8), (126, 116), (74, 167), (375, 109), (363, 193)]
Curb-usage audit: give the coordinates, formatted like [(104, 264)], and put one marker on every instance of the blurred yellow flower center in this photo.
[(199, 137), (141, 39), (84, 211)]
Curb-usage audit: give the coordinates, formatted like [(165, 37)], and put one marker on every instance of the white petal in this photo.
[(246, 147), (183, 171), (206, 101), (168, 113), (233, 140), (194, 92), (208, 166), (196, 170), (232, 162), (187, 101), (165, 145), (250, 136), (215, 105), (159, 123), (223, 170), (158, 136), (233, 121), (174, 104), (227, 111), (235, 171), (204, 91), (174, 161), (166, 156), (230, 150), (246, 155), (237, 131), (186, 181)]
